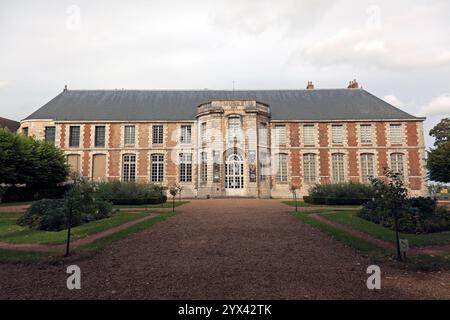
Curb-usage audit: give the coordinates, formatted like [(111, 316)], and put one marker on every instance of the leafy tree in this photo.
[(392, 194), (25, 160), (293, 188), (441, 132), (439, 157)]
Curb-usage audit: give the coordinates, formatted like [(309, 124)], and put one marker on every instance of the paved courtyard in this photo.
[(222, 249)]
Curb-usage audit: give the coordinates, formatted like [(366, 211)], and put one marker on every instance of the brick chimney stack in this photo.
[(353, 84), (310, 86)]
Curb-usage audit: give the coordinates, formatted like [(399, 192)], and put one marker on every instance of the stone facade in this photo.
[(234, 149)]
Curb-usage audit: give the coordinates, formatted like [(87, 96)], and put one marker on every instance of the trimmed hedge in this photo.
[(335, 201), (127, 193), (131, 202)]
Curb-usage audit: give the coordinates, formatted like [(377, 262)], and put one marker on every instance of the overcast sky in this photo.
[(398, 50)]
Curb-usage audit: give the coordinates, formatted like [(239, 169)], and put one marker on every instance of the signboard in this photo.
[(404, 246)]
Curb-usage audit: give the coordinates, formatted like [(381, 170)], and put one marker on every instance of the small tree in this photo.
[(392, 194), (173, 192), (179, 188), (438, 162), (293, 188)]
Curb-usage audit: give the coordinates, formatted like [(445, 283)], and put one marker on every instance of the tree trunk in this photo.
[(399, 253), (173, 204)]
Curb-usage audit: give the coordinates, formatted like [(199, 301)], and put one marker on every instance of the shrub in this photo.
[(420, 215), (127, 193), (340, 194)]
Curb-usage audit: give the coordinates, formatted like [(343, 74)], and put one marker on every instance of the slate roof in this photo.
[(10, 124), (129, 105)]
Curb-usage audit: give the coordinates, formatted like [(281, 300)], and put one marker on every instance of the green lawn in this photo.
[(358, 244), (166, 205), (16, 256), (13, 233), (419, 240), (302, 204)]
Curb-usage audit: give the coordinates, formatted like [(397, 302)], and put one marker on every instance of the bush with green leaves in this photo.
[(340, 194), (128, 193), (419, 215), (53, 215)]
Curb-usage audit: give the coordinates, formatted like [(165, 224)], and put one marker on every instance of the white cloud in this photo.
[(393, 100), (439, 106)]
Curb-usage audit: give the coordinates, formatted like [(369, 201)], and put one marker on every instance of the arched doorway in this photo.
[(234, 175)]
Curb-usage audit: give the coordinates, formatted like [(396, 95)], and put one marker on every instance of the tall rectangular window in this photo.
[(396, 133), (50, 134), (397, 163), (234, 129), (74, 136), (25, 131), (263, 136), (264, 165), (367, 171), (280, 135), (216, 166), (366, 133), (309, 169), (157, 174), (282, 169), (186, 135), (129, 168), (308, 135), (204, 167), (185, 167), (337, 160), (129, 135), (203, 132), (337, 134), (157, 134), (100, 136)]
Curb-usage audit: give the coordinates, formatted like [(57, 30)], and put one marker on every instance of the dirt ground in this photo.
[(223, 249)]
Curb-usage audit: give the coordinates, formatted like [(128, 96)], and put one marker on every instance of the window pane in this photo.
[(203, 132), (204, 167), (185, 167), (397, 163), (234, 129), (396, 133), (186, 135), (158, 134), (157, 174), (309, 168), (50, 134), (366, 133), (263, 134), (338, 167), (25, 131), (280, 135), (337, 133), (74, 136), (308, 135), (129, 168), (367, 171), (216, 167), (281, 165), (100, 136), (129, 135)]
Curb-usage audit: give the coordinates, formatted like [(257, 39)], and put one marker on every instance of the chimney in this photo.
[(65, 88), (310, 86), (353, 84)]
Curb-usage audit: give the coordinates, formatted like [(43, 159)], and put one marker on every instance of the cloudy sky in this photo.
[(398, 50)]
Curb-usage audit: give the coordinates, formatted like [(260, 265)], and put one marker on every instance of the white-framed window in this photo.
[(129, 135), (157, 134), (264, 165), (185, 167), (157, 174), (74, 136), (204, 167), (309, 168), (308, 135), (129, 168), (234, 129), (337, 163), (281, 164), (337, 134), (186, 134), (263, 134), (367, 167), (397, 163), (395, 131), (216, 166), (203, 133), (280, 135), (366, 133)]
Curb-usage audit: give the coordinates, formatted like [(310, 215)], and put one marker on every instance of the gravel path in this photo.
[(223, 249)]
